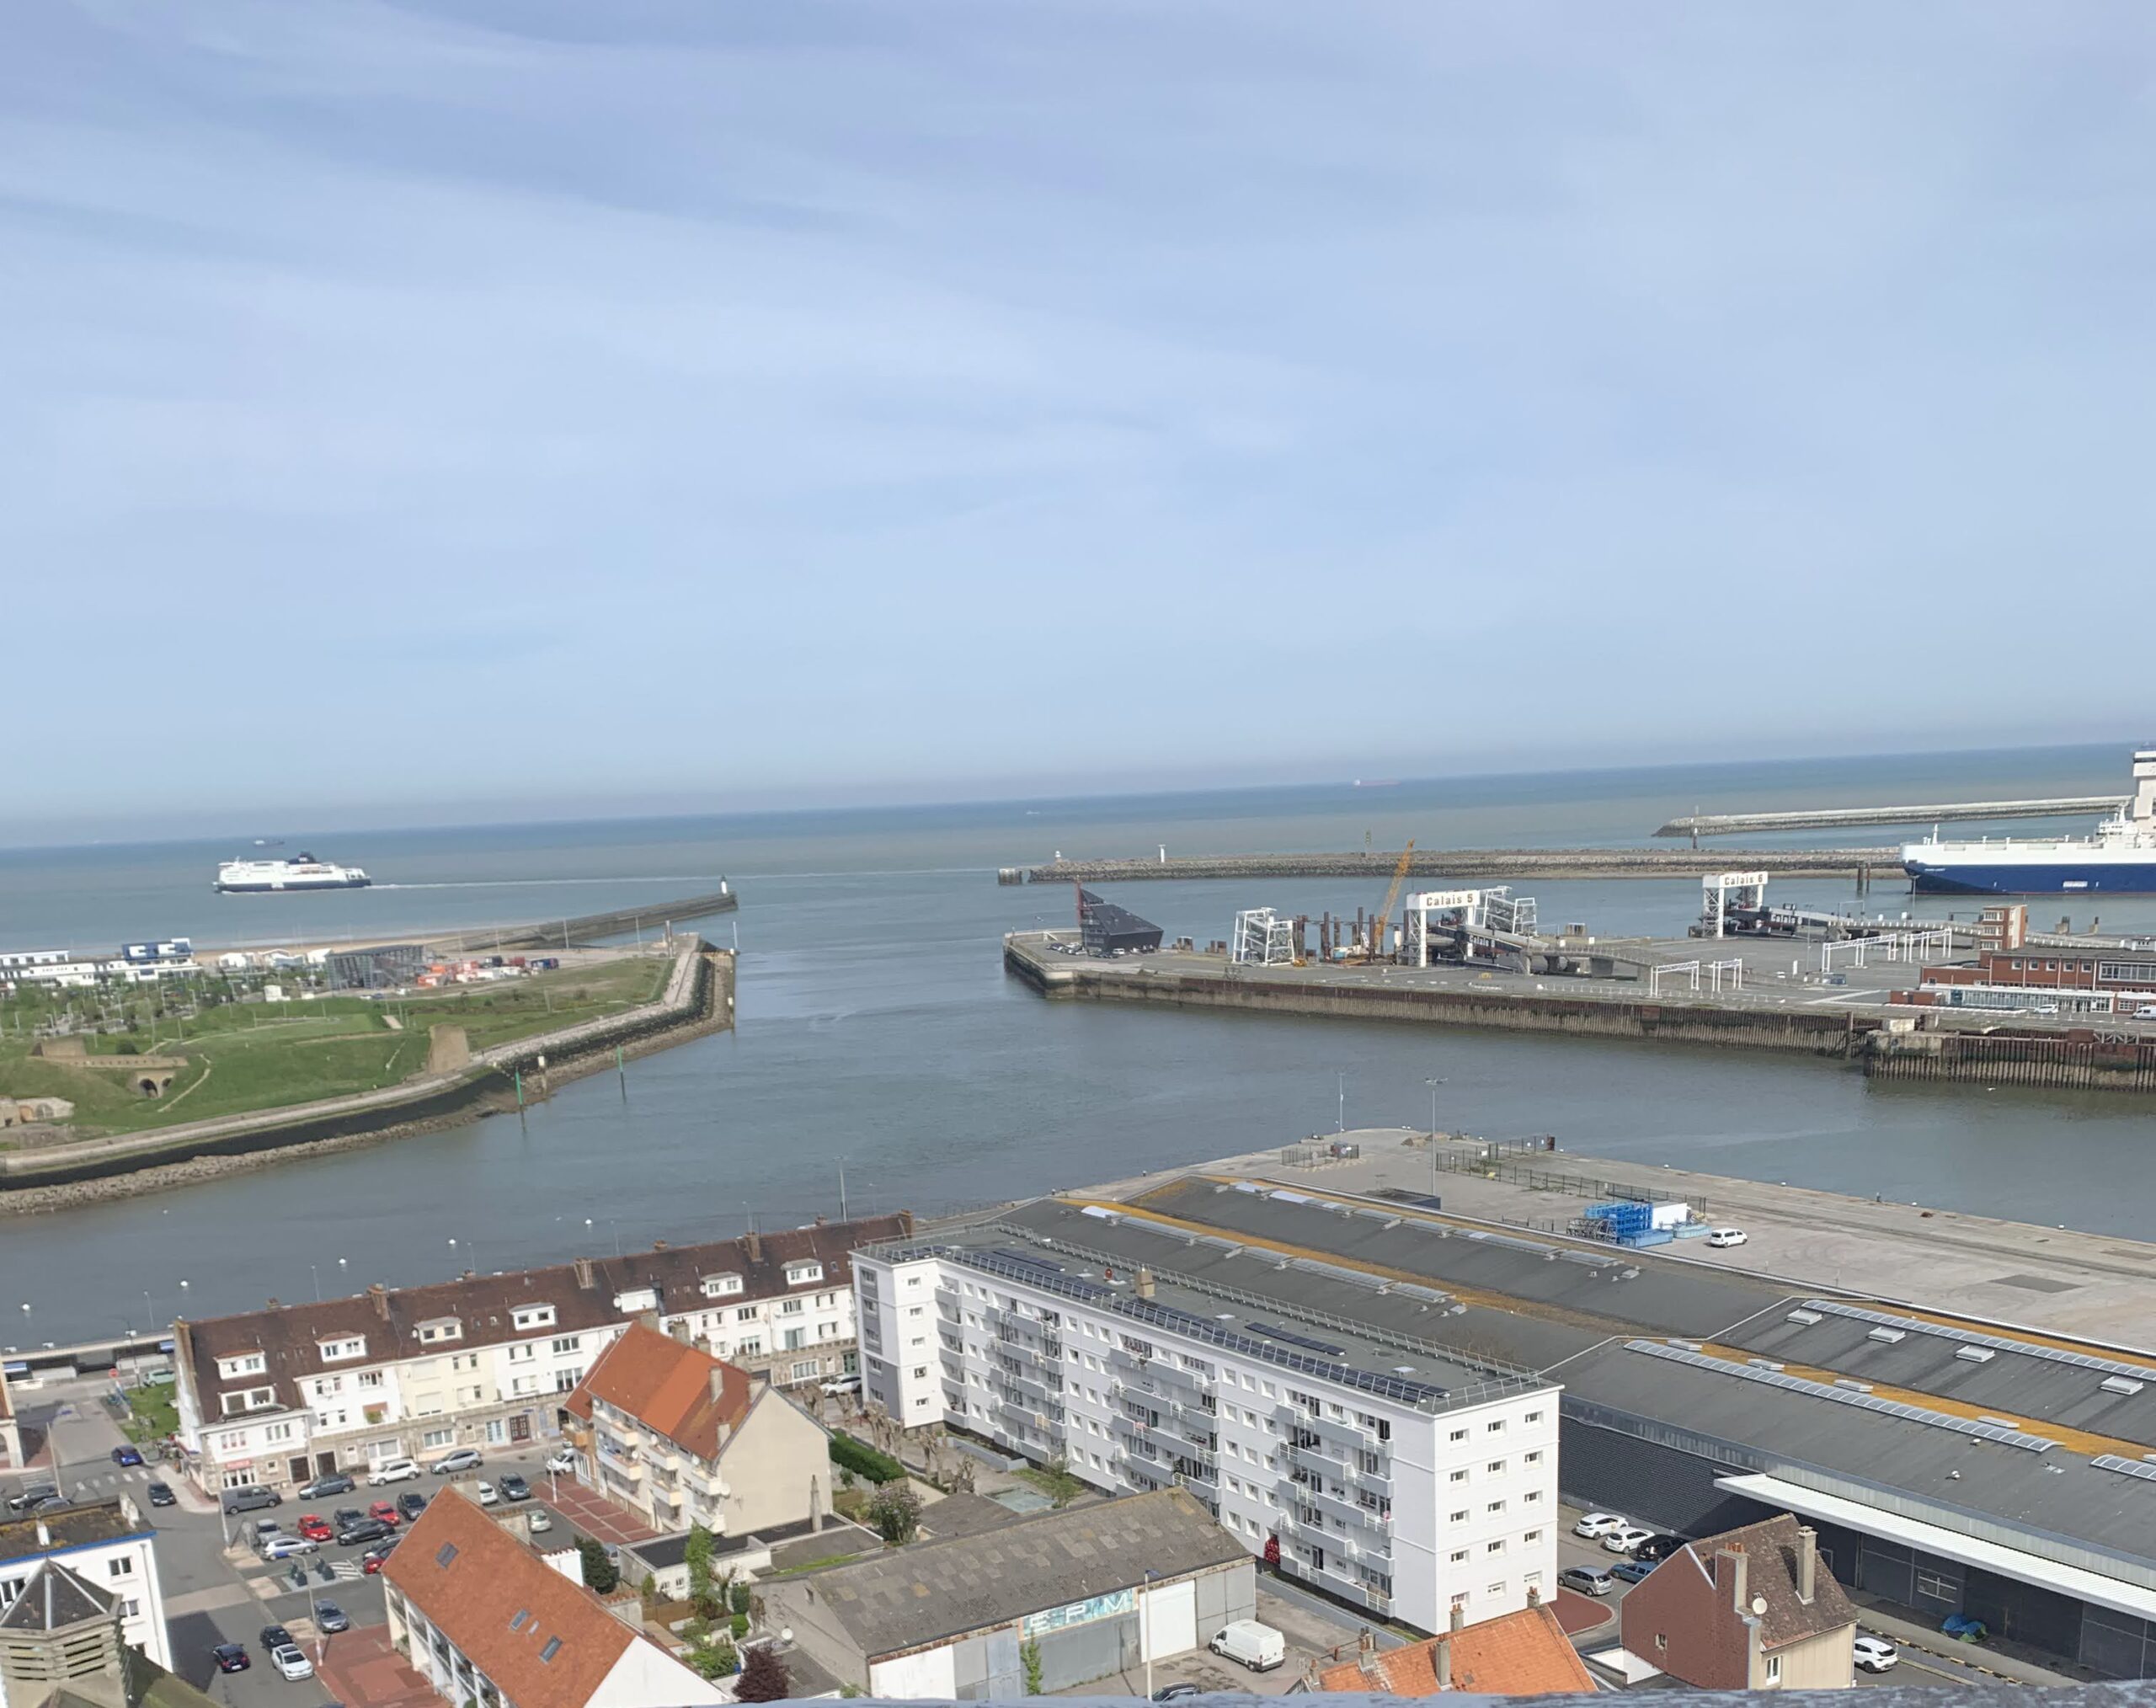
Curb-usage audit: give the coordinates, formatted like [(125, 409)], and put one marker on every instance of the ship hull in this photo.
[(2013, 878), (250, 888)]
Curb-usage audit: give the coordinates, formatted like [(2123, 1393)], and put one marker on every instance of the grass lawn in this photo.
[(242, 1057), (154, 1415)]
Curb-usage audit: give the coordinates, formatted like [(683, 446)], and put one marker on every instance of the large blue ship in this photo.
[(2119, 859)]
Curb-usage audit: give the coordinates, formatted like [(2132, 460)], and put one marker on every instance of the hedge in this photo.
[(862, 1460)]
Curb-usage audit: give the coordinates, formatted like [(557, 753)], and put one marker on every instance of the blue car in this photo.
[(1631, 1570), (127, 1456)]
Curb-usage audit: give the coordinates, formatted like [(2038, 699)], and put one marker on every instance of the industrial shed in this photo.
[(1095, 1587)]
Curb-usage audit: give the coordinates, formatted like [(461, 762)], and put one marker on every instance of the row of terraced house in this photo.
[(279, 1395)]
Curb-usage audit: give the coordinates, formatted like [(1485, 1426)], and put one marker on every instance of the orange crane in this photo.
[(1375, 949)]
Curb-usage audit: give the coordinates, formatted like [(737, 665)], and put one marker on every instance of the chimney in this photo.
[(1737, 1579), (1535, 1595), (1441, 1658), (1459, 1620), (43, 1533), (1144, 1284), (585, 1277), (274, 1305), (719, 1381), (658, 1245), (1366, 1651), (650, 1320), (380, 1294), (754, 1243), (820, 1218), (906, 1222), (1807, 1562)]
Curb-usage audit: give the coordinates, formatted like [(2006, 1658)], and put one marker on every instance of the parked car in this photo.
[(462, 1459), (329, 1618), (346, 1515), (538, 1522), (1723, 1238), (563, 1464), (274, 1637), (388, 1513), (282, 1546), (514, 1488), (375, 1559), (231, 1658), (253, 1498), (160, 1495), (1257, 1646), (1596, 1525), (291, 1662), (389, 1471), (1588, 1580), (411, 1503), (28, 1495), (1659, 1546), (839, 1386), (485, 1491), (1626, 1538), (1631, 1570), (1175, 1693), (325, 1487), (366, 1530), (127, 1456), (316, 1528), (1875, 1654)]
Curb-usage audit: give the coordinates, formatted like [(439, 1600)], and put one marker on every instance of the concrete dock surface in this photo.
[(2092, 1287)]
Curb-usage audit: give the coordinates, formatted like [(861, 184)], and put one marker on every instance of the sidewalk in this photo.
[(1995, 1656)]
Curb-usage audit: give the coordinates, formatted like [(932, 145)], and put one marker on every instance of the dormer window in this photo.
[(802, 1275), (351, 1347), (244, 1364), (440, 1329), (532, 1316), (721, 1286)]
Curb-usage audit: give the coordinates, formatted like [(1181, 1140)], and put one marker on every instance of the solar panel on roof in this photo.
[(1273, 1331), (1414, 1290), (2125, 1467), (1868, 1401), (1917, 1325)]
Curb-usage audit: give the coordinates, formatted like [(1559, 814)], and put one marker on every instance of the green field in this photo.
[(246, 1056)]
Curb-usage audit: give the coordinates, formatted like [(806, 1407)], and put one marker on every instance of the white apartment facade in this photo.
[(1411, 1495), (108, 1543), (278, 1396)]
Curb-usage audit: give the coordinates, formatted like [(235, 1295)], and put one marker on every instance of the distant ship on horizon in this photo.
[(1377, 782), (272, 877), (2119, 859)]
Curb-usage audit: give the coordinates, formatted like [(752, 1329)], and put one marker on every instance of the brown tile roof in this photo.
[(582, 1293), (490, 1578), (1770, 1572), (666, 1385), (1525, 1653)]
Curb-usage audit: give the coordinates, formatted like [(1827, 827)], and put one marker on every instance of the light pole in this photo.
[(1340, 1077), (1145, 1626), (1433, 1082)]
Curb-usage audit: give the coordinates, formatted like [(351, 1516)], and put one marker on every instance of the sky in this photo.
[(715, 404)]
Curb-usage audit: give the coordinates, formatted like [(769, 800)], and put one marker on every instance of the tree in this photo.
[(895, 1511), (738, 1595), (599, 1573), (763, 1677), (696, 1553)]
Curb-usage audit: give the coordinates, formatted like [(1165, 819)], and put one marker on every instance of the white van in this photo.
[(1257, 1646), (389, 1471)]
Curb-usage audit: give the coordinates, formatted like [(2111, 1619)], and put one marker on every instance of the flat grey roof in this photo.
[(1299, 1319), (908, 1597)]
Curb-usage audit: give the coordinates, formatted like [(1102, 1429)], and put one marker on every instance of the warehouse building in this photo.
[(1086, 1591), (1105, 929), (1947, 1465)]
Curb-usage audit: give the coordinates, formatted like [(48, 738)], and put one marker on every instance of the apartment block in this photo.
[(1302, 1405)]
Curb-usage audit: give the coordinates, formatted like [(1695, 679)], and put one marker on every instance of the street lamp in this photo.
[(1145, 1627), (1340, 1075), (1433, 1083)]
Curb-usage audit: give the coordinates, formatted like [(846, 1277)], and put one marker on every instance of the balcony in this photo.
[(619, 1457), (1166, 1369), (1205, 1487), (1328, 1461), (1122, 1359)]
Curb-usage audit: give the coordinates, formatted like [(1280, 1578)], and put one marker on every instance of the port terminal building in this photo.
[(1948, 1464)]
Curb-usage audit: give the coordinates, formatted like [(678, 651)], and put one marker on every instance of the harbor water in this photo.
[(879, 1042)]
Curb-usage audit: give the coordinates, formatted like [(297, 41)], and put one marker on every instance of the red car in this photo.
[(316, 1528), (387, 1512), (375, 1558)]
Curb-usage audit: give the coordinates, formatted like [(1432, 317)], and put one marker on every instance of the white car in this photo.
[(538, 1522), (392, 1471), (463, 1458), (289, 1661), (1595, 1524), (1623, 1542), (563, 1463), (1875, 1654), (485, 1491), (1721, 1239)]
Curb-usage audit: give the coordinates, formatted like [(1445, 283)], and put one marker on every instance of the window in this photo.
[(1773, 1670), (1532, 1536), (526, 1317), (801, 1274), (1498, 1589), (794, 1307), (1532, 1417), (370, 1378), (244, 1364), (1497, 1467), (1496, 1547), (807, 1368), (1496, 1426), (1457, 1435), (446, 1553), (523, 1354), (130, 1607), (1460, 1517), (1661, 1640), (352, 1346), (437, 1438), (517, 1619), (1495, 1506), (1459, 1476), (567, 1344), (553, 1647), (1460, 1597), (1535, 1457), (721, 1286), (747, 1313), (1458, 1557), (449, 1329), (124, 1566), (1934, 1587)]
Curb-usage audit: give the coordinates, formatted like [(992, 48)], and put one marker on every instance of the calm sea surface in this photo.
[(876, 1031)]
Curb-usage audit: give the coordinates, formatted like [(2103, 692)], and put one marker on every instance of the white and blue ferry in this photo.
[(2119, 859), (277, 877)]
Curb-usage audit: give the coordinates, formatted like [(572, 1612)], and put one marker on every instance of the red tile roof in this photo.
[(475, 1598), (667, 1386), (1525, 1653)]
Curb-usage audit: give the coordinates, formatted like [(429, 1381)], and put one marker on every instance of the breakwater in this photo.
[(1696, 825), (590, 928), (699, 998), (1875, 1041), (1521, 863)]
